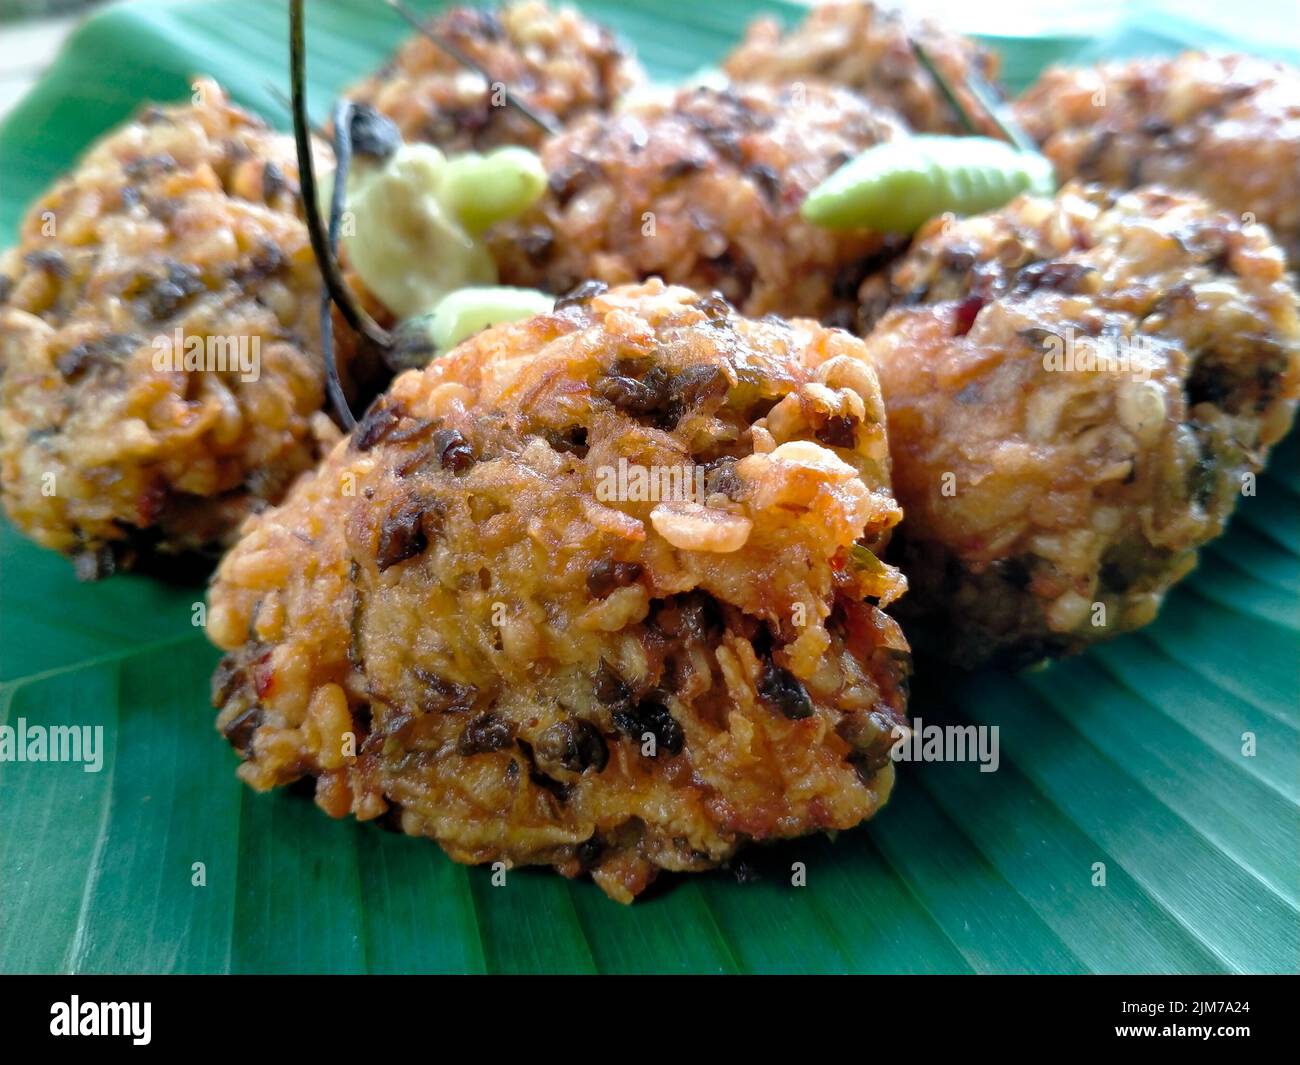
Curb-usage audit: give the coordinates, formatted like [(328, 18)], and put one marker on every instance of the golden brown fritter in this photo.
[(1079, 390), (181, 225), (704, 190), (1224, 126), (558, 62), (540, 661), (866, 47)]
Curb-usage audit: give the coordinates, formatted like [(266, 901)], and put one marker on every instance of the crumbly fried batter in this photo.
[(704, 190), (1224, 126), (558, 62), (867, 48), (541, 670), (186, 220), (1040, 481)]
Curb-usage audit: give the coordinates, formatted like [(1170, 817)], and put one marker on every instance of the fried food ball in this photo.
[(704, 190), (1079, 390), (159, 345), (481, 619), (1224, 126), (867, 47), (558, 62)]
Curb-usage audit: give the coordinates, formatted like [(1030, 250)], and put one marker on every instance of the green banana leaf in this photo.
[(1128, 759)]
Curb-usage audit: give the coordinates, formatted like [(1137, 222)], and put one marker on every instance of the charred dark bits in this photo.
[(147, 166), (167, 294), (49, 261), (652, 715), (570, 441), (228, 678), (406, 531), (96, 354), (1065, 277), (572, 177), (608, 575), (273, 181), (574, 744), (589, 853), (716, 308), (721, 476), (609, 688), (439, 695), (547, 783), (485, 733), (267, 261), (582, 295), (694, 616), (375, 424), (239, 732), (453, 451), (536, 243), (767, 180), (657, 396), (783, 691), (696, 385), (636, 397), (838, 431)]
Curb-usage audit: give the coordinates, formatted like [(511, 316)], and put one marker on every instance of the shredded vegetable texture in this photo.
[(896, 186)]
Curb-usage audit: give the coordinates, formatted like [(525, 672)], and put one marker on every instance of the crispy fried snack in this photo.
[(558, 62), (704, 190), (1077, 390), (181, 226), (866, 47), (1224, 126), (473, 621)]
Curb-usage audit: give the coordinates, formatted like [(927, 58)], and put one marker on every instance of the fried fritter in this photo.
[(175, 243), (472, 621), (1079, 390), (558, 62), (867, 47), (1224, 126), (704, 190)]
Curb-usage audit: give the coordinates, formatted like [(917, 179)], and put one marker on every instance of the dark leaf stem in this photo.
[(984, 95), (323, 242)]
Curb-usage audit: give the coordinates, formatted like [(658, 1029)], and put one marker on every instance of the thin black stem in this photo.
[(342, 164), (998, 112), (949, 94), (333, 386), (547, 123), (336, 288), (325, 243), (975, 84)]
